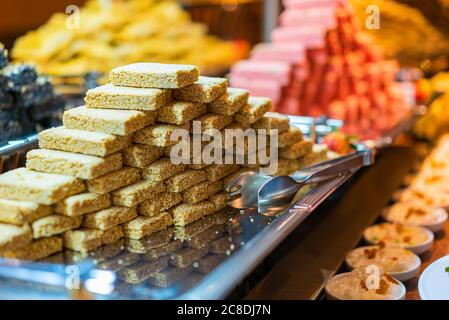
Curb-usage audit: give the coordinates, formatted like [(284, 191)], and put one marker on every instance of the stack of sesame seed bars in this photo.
[(107, 174)]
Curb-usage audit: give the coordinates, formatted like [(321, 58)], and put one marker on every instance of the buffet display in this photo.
[(28, 102), (114, 33), (320, 62)]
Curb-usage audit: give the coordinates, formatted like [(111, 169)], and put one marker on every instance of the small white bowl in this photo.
[(332, 296), (418, 249), (405, 275), (434, 227)]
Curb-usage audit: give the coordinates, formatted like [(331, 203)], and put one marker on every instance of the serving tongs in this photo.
[(252, 189)]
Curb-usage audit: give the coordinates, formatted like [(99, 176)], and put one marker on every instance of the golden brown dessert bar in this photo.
[(199, 166), (159, 203), (203, 239), (140, 155), (83, 203), (318, 154), (140, 271), (118, 122), (157, 253), (152, 241), (179, 112), (22, 212), (200, 191), (272, 121), (210, 121), (215, 172), (220, 200), (100, 254), (117, 97), (43, 188), (72, 164), (185, 180), (168, 276), (205, 90), (161, 169), (253, 111), (158, 135), (296, 150), (144, 226), (36, 250), (187, 256), (136, 193), (229, 103), (80, 141), (186, 213), (222, 245), (119, 262), (154, 75), (190, 230), (293, 135), (84, 240), (210, 262), (114, 180), (54, 225), (108, 218), (12, 237)]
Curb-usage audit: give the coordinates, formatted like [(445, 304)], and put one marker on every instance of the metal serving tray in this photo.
[(204, 260)]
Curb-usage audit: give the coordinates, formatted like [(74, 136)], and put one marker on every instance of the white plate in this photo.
[(434, 227), (434, 281), (331, 296), (405, 275)]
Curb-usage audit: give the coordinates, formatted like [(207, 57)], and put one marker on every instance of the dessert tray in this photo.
[(204, 260)]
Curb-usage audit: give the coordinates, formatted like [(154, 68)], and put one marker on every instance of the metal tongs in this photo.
[(252, 189)]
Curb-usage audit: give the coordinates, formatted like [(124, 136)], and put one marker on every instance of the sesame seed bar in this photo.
[(220, 200), (154, 75), (154, 240), (185, 180), (54, 225), (273, 121), (253, 111), (117, 97), (229, 103), (157, 253), (12, 237), (159, 203), (200, 192), (84, 240), (140, 155), (169, 276), (186, 213), (158, 134), (136, 193), (210, 121), (113, 180), (72, 164), (296, 150), (187, 256), (108, 218), (205, 90), (22, 212), (144, 226), (43, 188), (36, 250), (215, 172), (161, 169), (290, 137), (80, 141), (191, 230), (118, 122), (140, 271), (83, 203), (179, 112)]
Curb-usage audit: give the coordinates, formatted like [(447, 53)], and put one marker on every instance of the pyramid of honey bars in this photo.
[(107, 174)]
